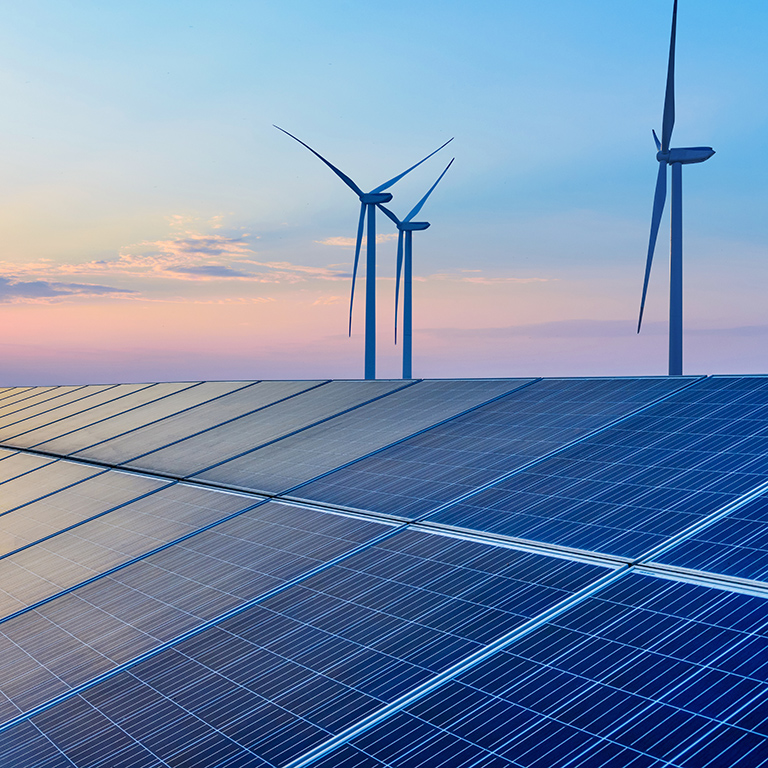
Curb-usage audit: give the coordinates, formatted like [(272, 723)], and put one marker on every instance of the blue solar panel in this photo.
[(281, 676), (632, 486), (646, 673), (736, 545), (82, 633), (417, 475)]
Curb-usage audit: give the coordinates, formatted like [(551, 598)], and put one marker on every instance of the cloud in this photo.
[(557, 329), (325, 300), (479, 280), (43, 290), (209, 270), (349, 242)]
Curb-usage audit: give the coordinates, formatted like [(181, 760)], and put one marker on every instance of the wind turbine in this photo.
[(677, 158), (368, 202), (406, 228)]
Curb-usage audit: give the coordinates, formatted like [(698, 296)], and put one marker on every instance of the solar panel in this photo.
[(281, 676), (129, 402), (10, 434), (415, 476), (15, 464), (66, 642), (646, 673), (45, 396), (121, 423), (40, 477), (631, 487), (61, 399), (736, 545), (16, 394), (297, 459), (94, 547), (70, 507), (199, 452), (120, 450)]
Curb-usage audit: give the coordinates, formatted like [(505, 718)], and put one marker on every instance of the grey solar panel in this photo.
[(17, 394), (296, 459), (46, 395), (50, 406), (70, 507), (14, 464), (199, 452), (77, 442), (39, 477), (94, 547), (634, 485), (646, 673), (120, 450), (419, 474), (130, 402), (10, 435), (281, 676), (87, 632)]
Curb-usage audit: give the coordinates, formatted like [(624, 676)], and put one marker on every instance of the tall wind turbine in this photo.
[(368, 202), (406, 228), (677, 158)]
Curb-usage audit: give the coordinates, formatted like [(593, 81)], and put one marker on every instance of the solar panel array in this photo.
[(484, 573)]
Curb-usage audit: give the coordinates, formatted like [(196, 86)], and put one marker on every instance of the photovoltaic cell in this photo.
[(14, 464), (70, 558), (67, 642), (34, 398), (71, 506), (281, 676), (647, 673), (631, 487), (736, 545), (132, 402), (120, 450), (297, 459), (197, 453), (20, 393), (47, 477), (432, 468), (14, 434), (48, 406), (77, 442)]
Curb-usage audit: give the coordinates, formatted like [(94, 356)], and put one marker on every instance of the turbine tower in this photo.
[(677, 158), (406, 228), (368, 203)]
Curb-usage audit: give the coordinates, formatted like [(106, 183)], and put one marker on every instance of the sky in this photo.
[(155, 226)]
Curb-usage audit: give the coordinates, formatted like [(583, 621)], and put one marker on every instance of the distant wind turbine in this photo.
[(406, 228), (368, 201), (677, 158)]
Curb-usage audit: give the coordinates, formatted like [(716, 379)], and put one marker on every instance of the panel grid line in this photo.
[(455, 670), (190, 633)]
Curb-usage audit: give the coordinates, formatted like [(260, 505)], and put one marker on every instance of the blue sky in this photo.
[(155, 225)]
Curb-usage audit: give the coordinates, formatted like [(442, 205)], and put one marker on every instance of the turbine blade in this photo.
[(399, 272), (668, 121), (389, 183), (388, 214), (343, 176), (423, 200), (659, 199), (358, 245), (656, 139)]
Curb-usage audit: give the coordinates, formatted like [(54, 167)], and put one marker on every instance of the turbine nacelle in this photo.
[(374, 198), (685, 155), (412, 226)]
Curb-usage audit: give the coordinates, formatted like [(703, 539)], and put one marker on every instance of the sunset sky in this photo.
[(155, 226)]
